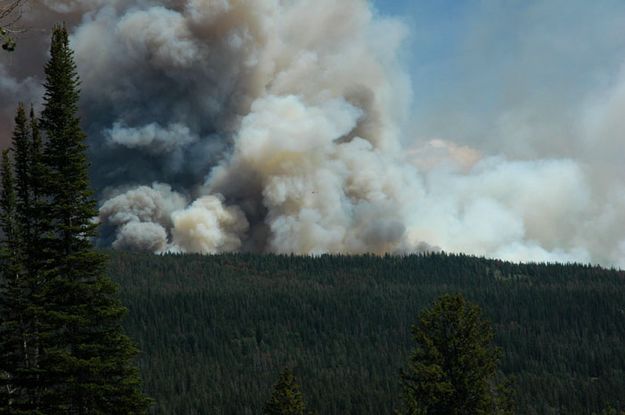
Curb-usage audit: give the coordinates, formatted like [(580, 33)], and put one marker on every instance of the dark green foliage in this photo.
[(21, 146), (215, 330), (610, 411), (452, 370), (86, 360), (63, 347), (7, 273), (287, 397), (8, 209), (22, 295), (18, 351)]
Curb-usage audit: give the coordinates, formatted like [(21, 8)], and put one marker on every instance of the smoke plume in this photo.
[(280, 126)]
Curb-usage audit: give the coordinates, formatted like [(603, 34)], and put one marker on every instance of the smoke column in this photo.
[(277, 126)]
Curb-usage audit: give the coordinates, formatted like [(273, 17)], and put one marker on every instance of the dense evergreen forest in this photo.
[(216, 331)]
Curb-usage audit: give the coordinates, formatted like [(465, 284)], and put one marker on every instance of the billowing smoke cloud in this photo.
[(277, 126), (307, 103)]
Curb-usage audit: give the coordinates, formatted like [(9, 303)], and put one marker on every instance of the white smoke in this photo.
[(152, 137), (277, 126), (142, 236), (143, 204), (208, 227), (319, 95)]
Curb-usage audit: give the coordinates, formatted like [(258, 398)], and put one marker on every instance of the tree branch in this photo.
[(10, 14)]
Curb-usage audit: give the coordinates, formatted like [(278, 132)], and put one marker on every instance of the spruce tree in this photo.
[(453, 369), (18, 343), (287, 397), (87, 362), (9, 335), (21, 146)]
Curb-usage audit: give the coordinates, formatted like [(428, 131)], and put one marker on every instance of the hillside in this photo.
[(216, 330)]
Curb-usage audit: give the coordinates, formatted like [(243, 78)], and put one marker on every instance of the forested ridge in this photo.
[(216, 331)]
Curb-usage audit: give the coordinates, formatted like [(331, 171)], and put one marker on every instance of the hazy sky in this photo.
[(510, 113), (483, 68)]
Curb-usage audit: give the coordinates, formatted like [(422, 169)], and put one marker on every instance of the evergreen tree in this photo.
[(34, 213), (86, 361), (287, 397), (21, 146), (453, 369), (7, 273), (17, 329), (9, 340)]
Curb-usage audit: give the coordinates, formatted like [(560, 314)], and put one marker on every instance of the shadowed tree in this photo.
[(18, 346), (453, 369), (9, 338)]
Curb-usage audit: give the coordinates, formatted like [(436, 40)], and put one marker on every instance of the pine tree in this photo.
[(21, 146), (453, 369), (287, 397), (18, 325), (87, 361), (35, 211), (9, 336)]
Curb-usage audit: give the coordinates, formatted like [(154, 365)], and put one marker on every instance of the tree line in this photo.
[(216, 331)]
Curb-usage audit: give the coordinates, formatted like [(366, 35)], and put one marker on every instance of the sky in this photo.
[(491, 127), (472, 63)]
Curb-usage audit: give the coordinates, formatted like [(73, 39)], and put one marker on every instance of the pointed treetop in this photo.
[(61, 85), (287, 397)]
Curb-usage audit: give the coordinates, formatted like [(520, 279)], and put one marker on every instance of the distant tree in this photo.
[(10, 14), (453, 369), (287, 397)]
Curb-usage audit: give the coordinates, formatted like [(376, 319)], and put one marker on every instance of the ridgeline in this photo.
[(216, 331)]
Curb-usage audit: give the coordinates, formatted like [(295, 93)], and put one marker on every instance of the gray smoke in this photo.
[(276, 126)]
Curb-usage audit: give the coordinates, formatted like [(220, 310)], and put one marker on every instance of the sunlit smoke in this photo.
[(277, 126)]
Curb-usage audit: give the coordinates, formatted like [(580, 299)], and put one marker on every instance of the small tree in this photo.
[(287, 397), (453, 369)]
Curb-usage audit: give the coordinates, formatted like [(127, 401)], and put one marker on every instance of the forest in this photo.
[(216, 331), (87, 330)]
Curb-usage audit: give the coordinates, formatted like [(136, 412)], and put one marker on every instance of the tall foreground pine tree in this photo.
[(84, 361)]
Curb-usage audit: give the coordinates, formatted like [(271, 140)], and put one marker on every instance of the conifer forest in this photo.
[(216, 332), (225, 207)]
